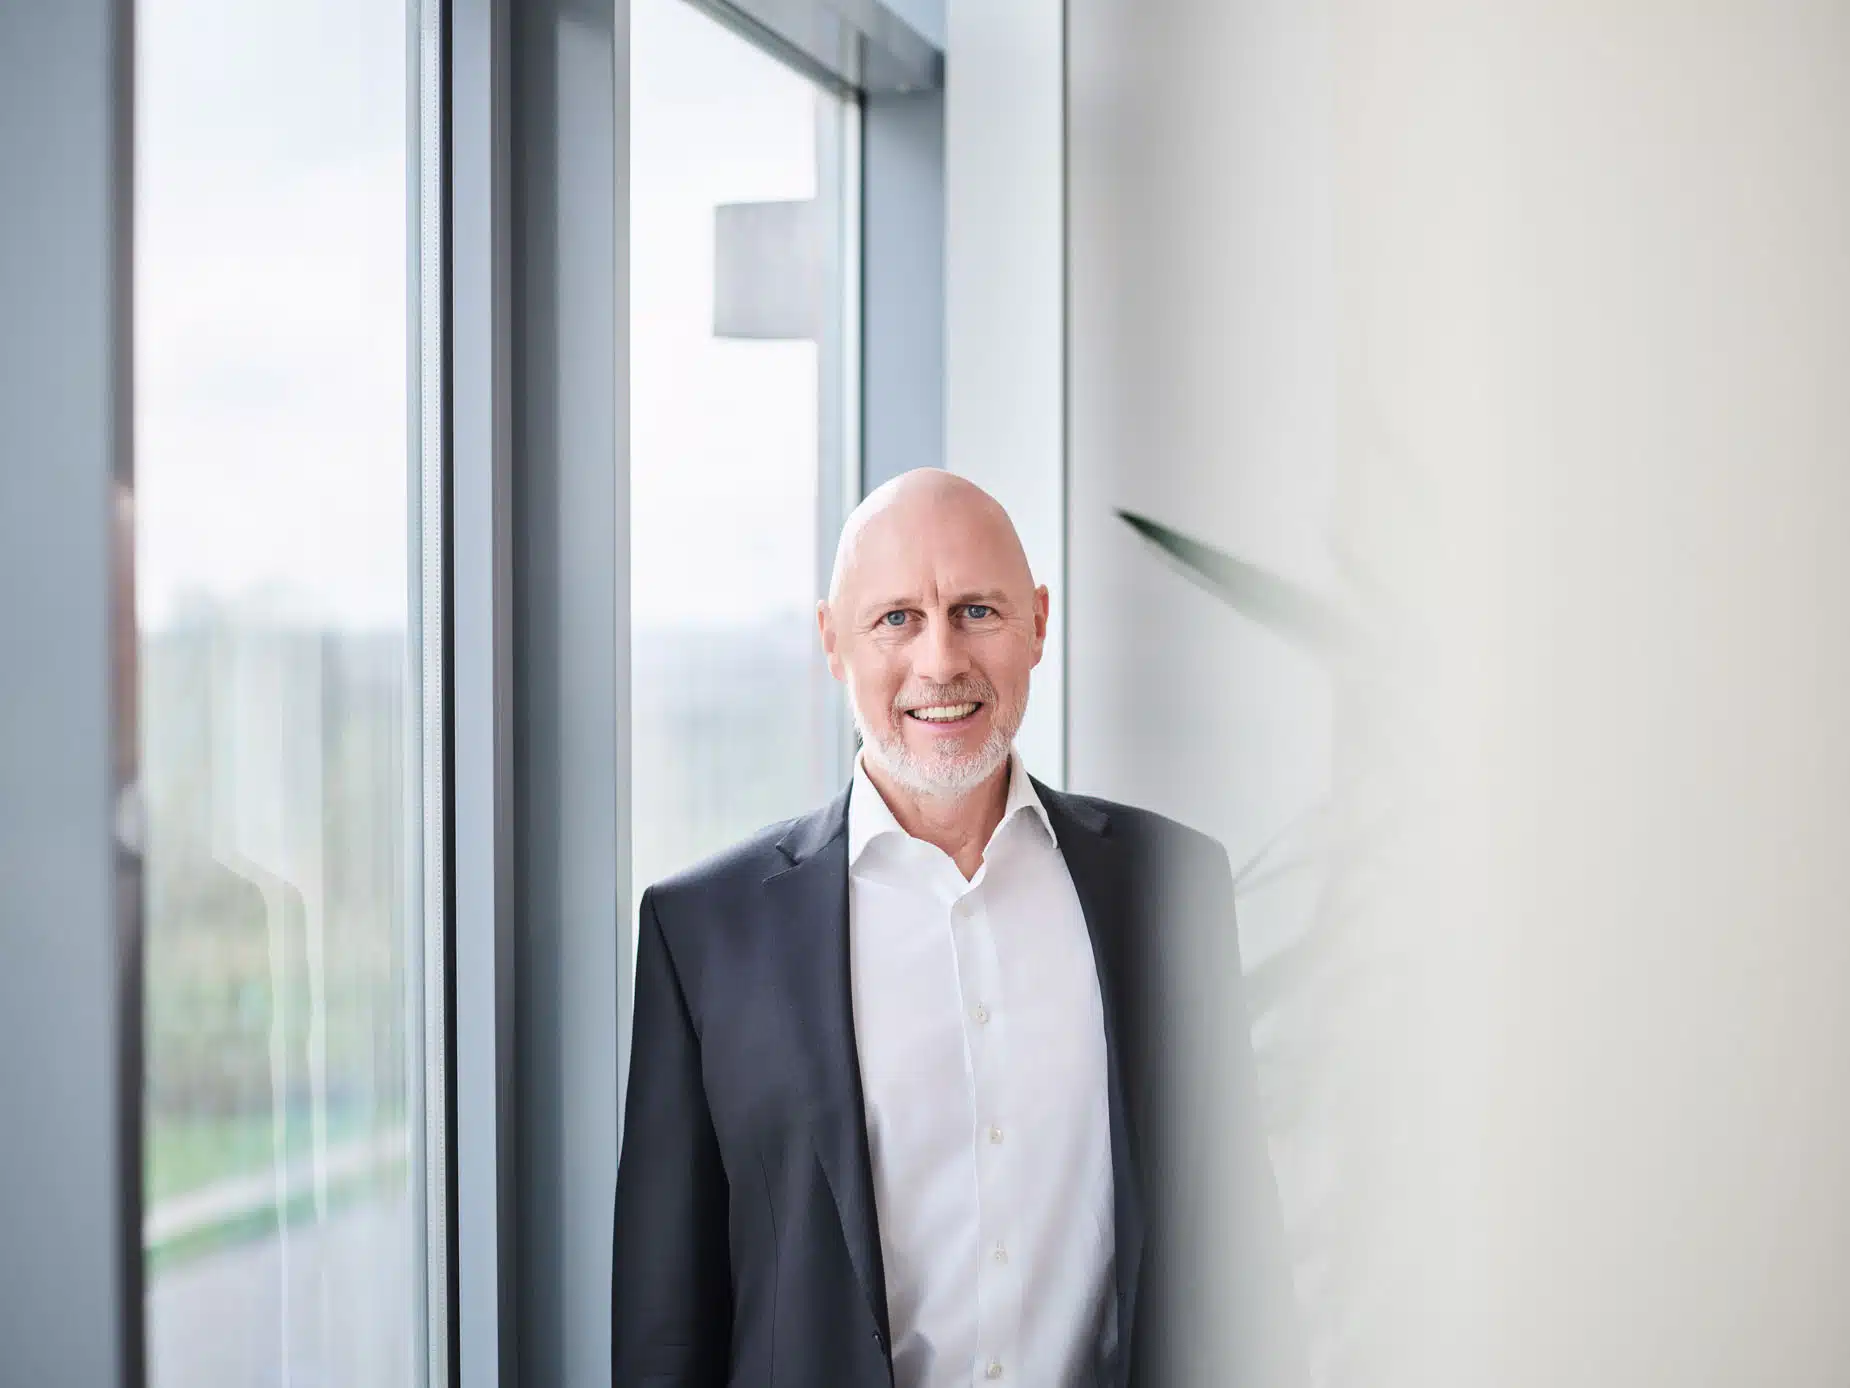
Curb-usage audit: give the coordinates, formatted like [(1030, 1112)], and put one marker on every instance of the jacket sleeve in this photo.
[(671, 1283)]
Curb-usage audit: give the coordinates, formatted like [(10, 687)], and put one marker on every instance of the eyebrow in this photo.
[(989, 597), (993, 597)]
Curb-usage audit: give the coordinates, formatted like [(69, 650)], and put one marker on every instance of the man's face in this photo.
[(935, 629)]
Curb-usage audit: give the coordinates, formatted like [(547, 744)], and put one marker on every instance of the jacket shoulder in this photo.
[(744, 864), (1148, 829)]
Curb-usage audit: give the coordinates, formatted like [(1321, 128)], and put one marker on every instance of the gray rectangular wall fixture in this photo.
[(70, 1017)]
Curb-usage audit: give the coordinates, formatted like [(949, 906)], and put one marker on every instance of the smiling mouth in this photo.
[(943, 713)]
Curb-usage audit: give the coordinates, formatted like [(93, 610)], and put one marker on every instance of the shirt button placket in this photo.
[(997, 1313)]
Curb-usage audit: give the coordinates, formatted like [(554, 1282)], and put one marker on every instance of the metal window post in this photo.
[(70, 1010)]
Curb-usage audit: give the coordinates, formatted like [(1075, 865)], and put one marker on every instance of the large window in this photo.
[(743, 449), (316, 390), (277, 442)]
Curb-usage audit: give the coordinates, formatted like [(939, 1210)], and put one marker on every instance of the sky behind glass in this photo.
[(273, 229)]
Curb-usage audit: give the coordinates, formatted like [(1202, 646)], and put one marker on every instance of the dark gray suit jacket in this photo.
[(746, 1245)]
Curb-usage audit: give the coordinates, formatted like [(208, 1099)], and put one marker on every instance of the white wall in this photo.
[(1519, 332), (1203, 383), (1202, 343)]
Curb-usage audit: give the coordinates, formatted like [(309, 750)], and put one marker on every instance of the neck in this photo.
[(960, 825)]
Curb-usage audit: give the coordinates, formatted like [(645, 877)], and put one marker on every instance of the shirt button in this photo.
[(994, 1370), (1001, 1255), (981, 1014), (995, 1134)]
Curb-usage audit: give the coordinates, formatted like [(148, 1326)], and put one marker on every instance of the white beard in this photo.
[(941, 777)]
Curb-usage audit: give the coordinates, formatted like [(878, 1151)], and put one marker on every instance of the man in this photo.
[(899, 1107)]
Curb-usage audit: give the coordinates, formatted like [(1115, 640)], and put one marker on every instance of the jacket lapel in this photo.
[(809, 900), (1101, 878)]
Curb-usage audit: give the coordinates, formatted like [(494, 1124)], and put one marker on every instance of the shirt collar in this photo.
[(869, 815)]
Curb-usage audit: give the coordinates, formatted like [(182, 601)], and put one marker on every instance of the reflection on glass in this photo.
[(738, 294), (275, 548)]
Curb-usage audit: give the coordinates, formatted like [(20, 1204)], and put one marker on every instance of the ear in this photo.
[(1043, 604), (825, 627)]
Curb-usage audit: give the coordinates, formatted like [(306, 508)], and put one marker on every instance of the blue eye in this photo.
[(978, 611), (894, 618)]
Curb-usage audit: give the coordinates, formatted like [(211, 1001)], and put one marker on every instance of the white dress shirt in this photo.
[(982, 1050)]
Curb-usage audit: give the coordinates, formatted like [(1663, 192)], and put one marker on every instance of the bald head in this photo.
[(926, 506), (934, 623)]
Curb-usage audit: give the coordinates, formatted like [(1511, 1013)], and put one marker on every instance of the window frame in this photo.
[(520, 135), (70, 911), (540, 765)]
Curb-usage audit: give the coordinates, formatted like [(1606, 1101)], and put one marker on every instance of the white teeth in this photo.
[(944, 713)]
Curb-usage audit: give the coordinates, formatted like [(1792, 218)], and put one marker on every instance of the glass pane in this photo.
[(741, 186), (275, 467)]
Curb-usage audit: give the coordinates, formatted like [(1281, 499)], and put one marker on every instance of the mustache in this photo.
[(964, 691)]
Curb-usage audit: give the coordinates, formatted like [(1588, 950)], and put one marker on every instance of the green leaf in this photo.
[(1287, 609)]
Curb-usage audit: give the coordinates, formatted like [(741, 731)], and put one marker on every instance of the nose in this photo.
[(939, 655)]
